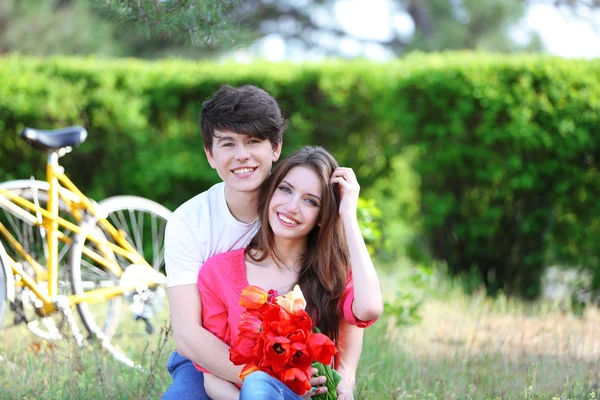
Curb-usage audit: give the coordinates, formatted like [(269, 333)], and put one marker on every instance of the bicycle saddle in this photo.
[(54, 139)]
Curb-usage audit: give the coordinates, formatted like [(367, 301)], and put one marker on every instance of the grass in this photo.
[(465, 347)]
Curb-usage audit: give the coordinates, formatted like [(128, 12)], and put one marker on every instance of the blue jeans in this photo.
[(188, 382), (259, 385)]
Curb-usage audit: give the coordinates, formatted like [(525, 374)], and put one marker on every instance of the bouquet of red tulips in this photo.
[(276, 336)]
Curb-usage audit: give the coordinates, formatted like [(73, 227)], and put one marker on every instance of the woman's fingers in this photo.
[(317, 380), (341, 181), (347, 173), (345, 177)]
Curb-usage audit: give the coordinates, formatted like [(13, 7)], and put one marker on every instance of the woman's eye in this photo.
[(285, 189), (312, 202)]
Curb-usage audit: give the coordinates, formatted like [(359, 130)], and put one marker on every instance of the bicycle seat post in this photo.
[(53, 169)]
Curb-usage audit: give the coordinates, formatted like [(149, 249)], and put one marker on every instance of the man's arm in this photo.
[(219, 389), (184, 250), (192, 340), (346, 362)]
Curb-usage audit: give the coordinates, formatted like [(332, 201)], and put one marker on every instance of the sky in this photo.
[(562, 34)]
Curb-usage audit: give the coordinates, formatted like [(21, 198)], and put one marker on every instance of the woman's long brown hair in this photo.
[(325, 265)]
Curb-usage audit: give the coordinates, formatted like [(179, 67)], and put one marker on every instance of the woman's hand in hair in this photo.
[(349, 190)]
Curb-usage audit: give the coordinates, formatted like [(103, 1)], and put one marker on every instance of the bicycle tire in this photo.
[(115, 208), (31, 238)]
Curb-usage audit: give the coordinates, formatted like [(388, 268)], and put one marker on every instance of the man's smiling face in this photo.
[(243, 162)]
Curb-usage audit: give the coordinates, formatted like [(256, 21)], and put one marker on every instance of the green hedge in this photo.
[(506, 148), (142, 118), (508, 159)]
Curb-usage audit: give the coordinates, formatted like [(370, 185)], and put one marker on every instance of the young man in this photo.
[(242, 130)]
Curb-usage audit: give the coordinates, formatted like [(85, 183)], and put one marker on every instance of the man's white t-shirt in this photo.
[(200, 228)]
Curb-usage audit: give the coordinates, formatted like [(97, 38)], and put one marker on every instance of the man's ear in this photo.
[(277, 151), (210, 158)]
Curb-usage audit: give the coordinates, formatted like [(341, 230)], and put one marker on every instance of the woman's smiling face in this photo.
[(296, 204)]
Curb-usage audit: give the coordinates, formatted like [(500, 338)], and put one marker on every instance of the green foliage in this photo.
[(492, 159), (369, 217), (202, 23), (55, 27), (397, 195), (470, 24), (503, 144), (406, 306)]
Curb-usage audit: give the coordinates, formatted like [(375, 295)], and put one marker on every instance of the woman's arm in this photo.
[(220, 389), (346, 361), (368, 302)]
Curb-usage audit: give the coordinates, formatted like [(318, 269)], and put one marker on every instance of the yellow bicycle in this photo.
[(60, 250)]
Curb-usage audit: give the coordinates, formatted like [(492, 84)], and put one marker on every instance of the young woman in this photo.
[(309, 236)]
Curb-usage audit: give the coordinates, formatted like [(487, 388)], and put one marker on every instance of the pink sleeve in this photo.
[(214, 309), (346, 302)]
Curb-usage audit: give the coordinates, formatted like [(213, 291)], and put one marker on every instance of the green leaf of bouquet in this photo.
[(333, 379), (337, 378)]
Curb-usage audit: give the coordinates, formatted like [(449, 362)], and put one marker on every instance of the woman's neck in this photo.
[(290, 252)]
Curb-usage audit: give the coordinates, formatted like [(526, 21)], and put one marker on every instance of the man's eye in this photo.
[(228, 145), (253, 141)]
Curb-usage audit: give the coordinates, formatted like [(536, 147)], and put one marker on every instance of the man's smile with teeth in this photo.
[(244, 170), (286, 219)]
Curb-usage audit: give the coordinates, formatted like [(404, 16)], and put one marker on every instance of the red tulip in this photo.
[(298, 336), (258, 351), (297, 379), (242, 350), (253, 297), (321, 348), (273, 317), (250, 326), (300, 355), (277, 350), (302, 319)]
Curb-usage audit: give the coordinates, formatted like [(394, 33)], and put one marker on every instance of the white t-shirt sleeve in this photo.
[(183, 253)]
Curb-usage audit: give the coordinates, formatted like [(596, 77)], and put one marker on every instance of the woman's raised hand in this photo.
[(349, 190)]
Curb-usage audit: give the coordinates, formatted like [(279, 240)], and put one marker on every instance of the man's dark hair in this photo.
[(246, 110)]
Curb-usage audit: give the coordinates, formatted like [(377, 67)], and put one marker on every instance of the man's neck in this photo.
[(242, 205)]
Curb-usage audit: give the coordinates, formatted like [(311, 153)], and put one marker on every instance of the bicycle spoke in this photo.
[(137, 241), (14, 225), (90, 268), (155, 244), (122, 221), (141, 231)]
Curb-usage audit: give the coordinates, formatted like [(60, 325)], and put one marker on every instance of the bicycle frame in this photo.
[(51, 222)]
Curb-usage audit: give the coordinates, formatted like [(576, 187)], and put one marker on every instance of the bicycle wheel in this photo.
[(143, 221), (32, 240)]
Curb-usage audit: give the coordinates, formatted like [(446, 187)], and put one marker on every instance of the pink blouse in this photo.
[(221, 281)]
